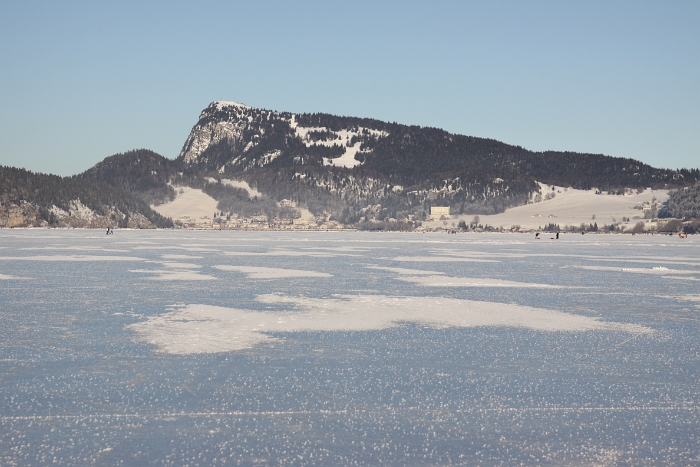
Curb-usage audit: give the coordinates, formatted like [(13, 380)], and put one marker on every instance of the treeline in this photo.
[(46, 191), (683, 203)]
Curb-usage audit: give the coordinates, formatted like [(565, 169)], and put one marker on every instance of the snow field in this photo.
[(568, 207), (191, 202)]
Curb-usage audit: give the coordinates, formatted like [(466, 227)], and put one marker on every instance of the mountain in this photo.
[(353, 169), (36, 199), (347, 163)]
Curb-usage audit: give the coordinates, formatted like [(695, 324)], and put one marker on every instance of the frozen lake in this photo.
[(274, 348)]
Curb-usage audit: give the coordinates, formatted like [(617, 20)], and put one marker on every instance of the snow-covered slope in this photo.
[(569, 207), (190, 202)]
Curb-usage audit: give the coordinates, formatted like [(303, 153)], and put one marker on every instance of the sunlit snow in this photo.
[(205, 328), (569, 206), (310, 348)]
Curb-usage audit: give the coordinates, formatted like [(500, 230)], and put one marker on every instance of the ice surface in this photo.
[(154, 355)]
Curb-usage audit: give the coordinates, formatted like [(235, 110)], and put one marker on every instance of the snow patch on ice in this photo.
[(681, 278), (72, 248), (407, 272), (660, 271), (447, 281), (73, 258), (174, 265), (318, 254), (439, 279), (174, 275), (6, 277), (180, 257), (197, 329), (688, 298), (444, 259), (175, 247), (345, 249), (271, 273)]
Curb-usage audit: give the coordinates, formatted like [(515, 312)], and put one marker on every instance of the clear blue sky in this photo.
[(80, 81)]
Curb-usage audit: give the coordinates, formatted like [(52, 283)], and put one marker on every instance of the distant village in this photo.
[(231, 221), (647, 222), (640, 218)]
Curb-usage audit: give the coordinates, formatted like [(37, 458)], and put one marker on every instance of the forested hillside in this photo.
[(141, 172), (683, 203), (412, 155), (40, 199)]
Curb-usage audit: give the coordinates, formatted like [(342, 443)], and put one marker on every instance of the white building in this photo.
[(436, 212)]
